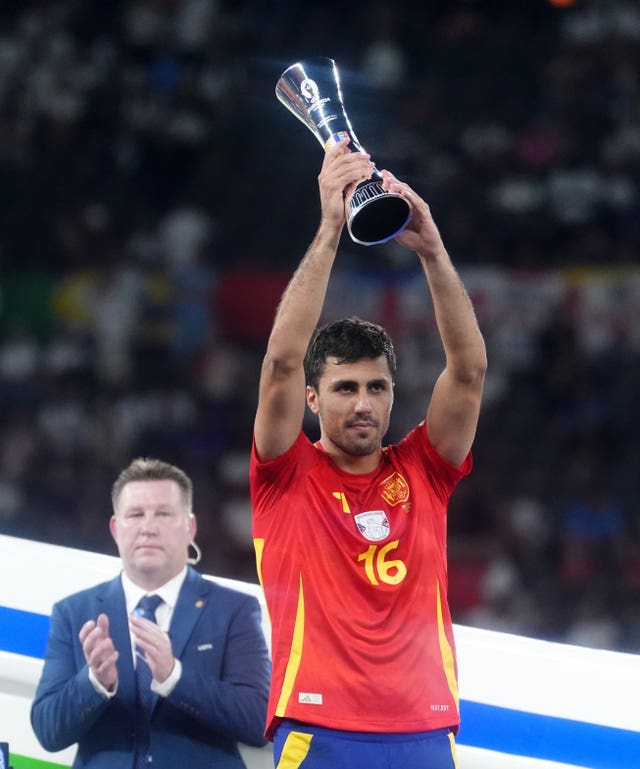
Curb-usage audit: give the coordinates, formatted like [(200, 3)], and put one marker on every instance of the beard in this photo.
[(358, 444), (360, 447)]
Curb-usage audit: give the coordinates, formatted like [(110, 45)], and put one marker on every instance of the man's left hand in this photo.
[(155, 644)]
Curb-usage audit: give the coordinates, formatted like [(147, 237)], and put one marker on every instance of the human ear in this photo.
[(312, 399), (113, 528)]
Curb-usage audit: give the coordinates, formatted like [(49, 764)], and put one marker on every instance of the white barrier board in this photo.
[(525, 704)]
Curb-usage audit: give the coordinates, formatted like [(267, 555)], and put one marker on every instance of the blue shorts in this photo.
[(313, 747)]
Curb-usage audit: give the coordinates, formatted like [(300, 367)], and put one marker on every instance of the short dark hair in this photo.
[(149, 469), (348, 340)]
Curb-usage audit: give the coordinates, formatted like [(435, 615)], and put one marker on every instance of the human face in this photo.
[(152, 528), (353, 402)]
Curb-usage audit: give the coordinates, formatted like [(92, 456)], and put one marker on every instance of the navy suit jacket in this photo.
[(220, 699)]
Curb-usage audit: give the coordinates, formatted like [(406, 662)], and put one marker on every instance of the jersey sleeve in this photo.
[(269, 479), (443, 475)]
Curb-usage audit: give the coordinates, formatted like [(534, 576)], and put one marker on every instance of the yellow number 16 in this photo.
[(391, 571)]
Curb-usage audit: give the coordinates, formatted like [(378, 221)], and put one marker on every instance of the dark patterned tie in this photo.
[(146, 608)]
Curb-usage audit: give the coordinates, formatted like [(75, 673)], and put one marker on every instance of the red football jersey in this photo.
[(355, 578)]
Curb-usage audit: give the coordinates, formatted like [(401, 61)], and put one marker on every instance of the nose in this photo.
[(149, 524), (363, 403)]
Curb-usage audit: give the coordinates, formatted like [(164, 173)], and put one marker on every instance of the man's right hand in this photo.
[(341, 172), (99, 651)]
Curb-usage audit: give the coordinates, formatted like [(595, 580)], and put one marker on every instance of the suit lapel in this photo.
[(191, 600)]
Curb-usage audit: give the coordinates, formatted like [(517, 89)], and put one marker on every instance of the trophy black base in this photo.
[(376, 216)]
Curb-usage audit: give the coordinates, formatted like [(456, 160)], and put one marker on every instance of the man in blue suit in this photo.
[(203, 653)]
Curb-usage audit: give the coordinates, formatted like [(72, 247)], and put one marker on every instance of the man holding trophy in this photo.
[(350, 535)]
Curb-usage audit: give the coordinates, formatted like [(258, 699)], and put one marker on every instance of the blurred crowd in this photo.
[(156, 198)]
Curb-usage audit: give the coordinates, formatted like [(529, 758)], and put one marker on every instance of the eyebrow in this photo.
[(141, 509), (378, 382)]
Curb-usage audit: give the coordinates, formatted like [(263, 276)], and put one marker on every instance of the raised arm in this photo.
[(282, 401), (454, 408)]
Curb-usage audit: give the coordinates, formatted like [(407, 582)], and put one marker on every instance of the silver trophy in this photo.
[(311, 91)]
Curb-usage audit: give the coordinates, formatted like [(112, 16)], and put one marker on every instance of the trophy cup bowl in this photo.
[(310, 90)]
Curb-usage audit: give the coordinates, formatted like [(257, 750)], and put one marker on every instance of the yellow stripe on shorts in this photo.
[(453, 751), (295, 750)]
